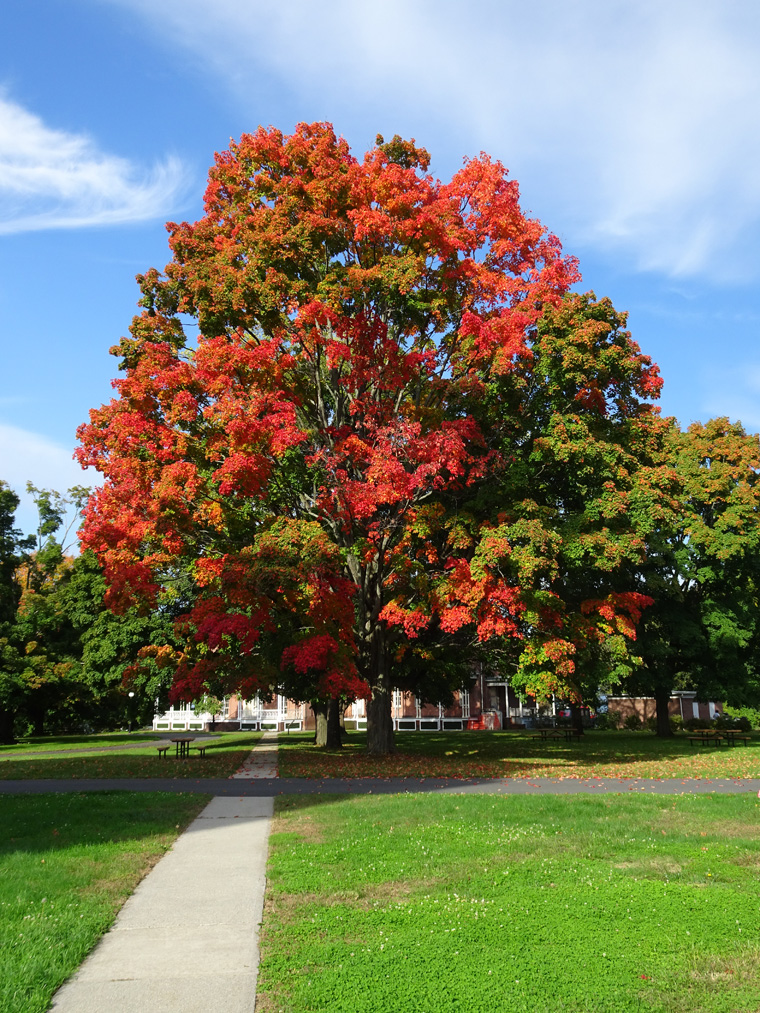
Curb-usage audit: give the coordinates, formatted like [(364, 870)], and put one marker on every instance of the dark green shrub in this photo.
[(694, 723), (751, 716), (632, 723), (730, 721)]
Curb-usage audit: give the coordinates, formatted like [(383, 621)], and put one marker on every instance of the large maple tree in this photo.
[(305, 455)]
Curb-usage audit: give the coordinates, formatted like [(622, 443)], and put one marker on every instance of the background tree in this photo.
[(13, 551), (701, 570), (52, 690), (115, 649)]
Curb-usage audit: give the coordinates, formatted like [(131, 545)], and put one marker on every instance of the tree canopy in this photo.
[(701, 569), (394, 435)]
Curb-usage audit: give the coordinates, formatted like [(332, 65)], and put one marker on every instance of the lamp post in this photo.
[(131, 697)]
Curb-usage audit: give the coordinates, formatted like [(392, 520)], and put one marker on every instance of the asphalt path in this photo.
[(269, 787)]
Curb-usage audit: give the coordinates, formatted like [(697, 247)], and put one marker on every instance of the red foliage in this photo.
[(349, 311)]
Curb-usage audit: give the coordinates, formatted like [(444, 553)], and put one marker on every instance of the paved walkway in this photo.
[(262, 762), (269, 787), (186, 941)]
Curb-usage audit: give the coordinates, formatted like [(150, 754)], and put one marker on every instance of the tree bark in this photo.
[(576, 719), (662, 697), (327, 732), (320, 725), (380, 737), (334, 740), (7, 738)]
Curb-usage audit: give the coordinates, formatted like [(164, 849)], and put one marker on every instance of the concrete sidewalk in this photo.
[(262, 763), (187, 939)]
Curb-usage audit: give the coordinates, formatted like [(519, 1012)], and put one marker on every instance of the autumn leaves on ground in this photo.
[(421, 754), (485, 754)]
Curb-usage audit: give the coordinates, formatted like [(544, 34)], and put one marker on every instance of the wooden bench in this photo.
[(733, 737), (163, 750), (202, 749), (711, 738)]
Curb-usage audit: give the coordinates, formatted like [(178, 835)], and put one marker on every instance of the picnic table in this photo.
[(568, 734), (182, 744), (732, 735)]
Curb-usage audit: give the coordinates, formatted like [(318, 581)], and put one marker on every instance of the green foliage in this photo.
[(14, 549), (750, 714), (702, 561), (733, 721), (582, 482), (208, 704), (608, 720), (632, 723)]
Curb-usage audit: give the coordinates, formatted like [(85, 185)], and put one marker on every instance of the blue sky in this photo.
[(633, 130)]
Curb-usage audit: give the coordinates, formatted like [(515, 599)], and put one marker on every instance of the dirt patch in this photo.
[(658, 868), (742, 968), (706, 976), (284, 906), (679, 821), (746, 860), (302, 824)]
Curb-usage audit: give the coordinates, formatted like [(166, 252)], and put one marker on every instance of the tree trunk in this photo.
[(380, 738), (320, 727), (576, 718), (334, 740), (662, 699), (7, 738), (327, 733), (38, 724), (373, 668)]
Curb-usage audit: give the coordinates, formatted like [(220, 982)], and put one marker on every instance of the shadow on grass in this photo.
[(504, 754), (56, 822), (221, 759)]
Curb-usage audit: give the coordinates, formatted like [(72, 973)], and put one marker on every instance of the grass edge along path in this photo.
[(67, 864), (609, 904)]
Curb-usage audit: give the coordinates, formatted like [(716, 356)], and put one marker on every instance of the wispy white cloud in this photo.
[(632, 127), (50, 179), (30, 457)]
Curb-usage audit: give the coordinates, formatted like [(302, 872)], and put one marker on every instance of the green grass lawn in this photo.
[(63, 743), (517, 754), (67, 864), (423, 904), (28, 760)]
